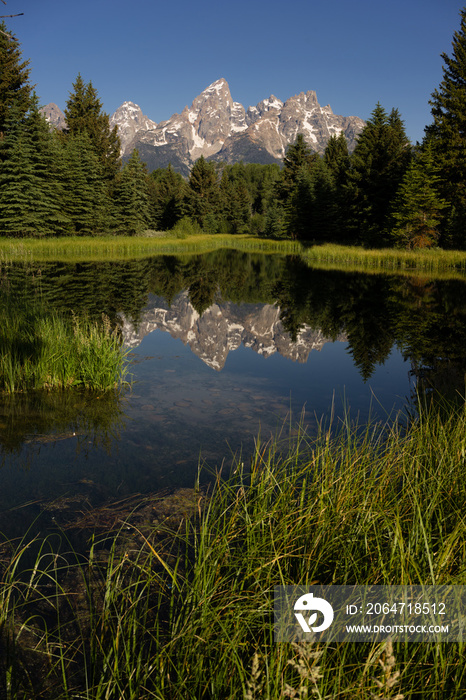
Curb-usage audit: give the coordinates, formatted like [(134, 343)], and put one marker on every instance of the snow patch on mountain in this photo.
[(130, 121), (215, 126)]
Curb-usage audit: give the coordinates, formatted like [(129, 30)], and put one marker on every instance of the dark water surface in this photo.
[(223, 347)]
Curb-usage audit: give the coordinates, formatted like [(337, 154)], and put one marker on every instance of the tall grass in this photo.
[(184, 609), (327, 256), (41, 349), (332, 256), (133, 247)]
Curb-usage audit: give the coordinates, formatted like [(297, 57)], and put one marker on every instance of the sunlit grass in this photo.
[(185, 610), (327, 256), (133, 247), (42, 349), (356, 258)]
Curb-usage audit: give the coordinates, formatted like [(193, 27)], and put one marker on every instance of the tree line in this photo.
[(387, 192)]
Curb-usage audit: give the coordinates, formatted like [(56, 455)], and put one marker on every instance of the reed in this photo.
[(392, 260), (327, 256), (42, 349), (133, 247), (185, 609)]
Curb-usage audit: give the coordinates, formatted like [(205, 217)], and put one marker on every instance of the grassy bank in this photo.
[(42, 349), (183, 608), (327, 256), (359, 259), (132, 247)]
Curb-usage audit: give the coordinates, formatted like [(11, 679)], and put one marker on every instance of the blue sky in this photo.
[(161, 55)]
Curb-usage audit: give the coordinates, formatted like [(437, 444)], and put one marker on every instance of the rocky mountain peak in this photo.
[(130, 121), (218, 128), (263, 107), (54, 115)]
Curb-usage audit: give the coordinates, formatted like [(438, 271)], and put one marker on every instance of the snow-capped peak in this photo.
[(215, 126)]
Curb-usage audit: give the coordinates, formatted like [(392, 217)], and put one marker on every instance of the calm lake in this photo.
[(224, 347)]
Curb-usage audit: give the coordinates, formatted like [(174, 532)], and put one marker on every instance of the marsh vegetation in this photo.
[(179, 603)]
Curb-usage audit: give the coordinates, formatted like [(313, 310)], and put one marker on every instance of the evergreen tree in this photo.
[(417, 207), (87, 200), (29, 205), (338, 162), (378, 164), (203, 195), (324, 222), (275, 220), (299, 206), (15, 90), (235, 205), (448, 136), (84, 113), (132, 197), (167, 193), (337, 158), (298, 159), (293, 191), (311, 209)]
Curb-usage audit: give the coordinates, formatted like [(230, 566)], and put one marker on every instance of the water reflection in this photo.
[(40, 417), (223, 328), (425, 318), (223, 346)]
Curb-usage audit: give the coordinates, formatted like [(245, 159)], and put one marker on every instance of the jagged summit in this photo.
[(218, 128), (130, 120), (54, 115)]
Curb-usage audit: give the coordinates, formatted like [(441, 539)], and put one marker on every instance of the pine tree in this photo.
[(299, 207), (87, 201), (338, 162), (235, 205), (378, 164), (311, 209), (337, 158), (448, 136), (132, 197), (84, 113), (293, 190), (418, 205), (298, 159), (203, 195), (167, 193), (275, 220), (15, 90), (29, 201)]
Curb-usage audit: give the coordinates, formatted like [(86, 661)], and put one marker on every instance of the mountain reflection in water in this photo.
[(222, 328), (223, 346)]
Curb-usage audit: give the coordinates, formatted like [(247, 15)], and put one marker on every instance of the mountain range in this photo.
[(220, 129), (222, 328)]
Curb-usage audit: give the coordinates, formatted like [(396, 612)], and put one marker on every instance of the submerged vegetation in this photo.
[(183, 606), (43, 349)]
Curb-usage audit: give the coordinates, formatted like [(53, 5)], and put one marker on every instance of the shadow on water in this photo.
[(52, 429), (41, 417)]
